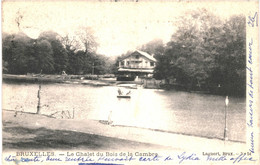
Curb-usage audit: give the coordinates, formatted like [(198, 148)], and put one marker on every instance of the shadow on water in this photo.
[(173, 111)]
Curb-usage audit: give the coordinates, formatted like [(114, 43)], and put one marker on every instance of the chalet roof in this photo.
[(143, 54)]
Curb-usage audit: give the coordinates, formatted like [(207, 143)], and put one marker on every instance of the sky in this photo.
[(118, 27)]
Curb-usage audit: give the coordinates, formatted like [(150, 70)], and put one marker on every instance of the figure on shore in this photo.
[(63, 73), (109, 121)]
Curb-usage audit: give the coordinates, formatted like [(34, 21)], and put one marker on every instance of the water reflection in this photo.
[(175, 111)]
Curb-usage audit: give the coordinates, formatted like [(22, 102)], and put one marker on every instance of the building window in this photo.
[(137, 56), (122, 63), (152, 64), (128, 62)]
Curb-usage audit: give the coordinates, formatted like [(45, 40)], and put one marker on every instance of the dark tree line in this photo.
[(51, 54), (205, 53)]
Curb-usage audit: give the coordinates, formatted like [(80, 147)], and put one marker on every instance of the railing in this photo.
[(136, 67), (64, 114)]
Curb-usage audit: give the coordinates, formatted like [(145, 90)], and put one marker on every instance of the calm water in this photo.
[(175, 111)]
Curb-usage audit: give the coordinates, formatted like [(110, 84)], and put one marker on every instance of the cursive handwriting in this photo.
[(155, 158), (53, 159), (252, 143), (168, 158), (250, 84), (183, 157), (216, 158), (250, 51), (35, 159), (241, 157), (10, 158), (250, 91), (112, 159), (179, 158), (23, 159), (252, 20), (250, 124), (78, 159)]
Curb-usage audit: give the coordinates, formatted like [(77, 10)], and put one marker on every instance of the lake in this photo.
[(170, 111)]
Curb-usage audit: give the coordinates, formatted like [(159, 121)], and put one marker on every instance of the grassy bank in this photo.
[(31, 131)]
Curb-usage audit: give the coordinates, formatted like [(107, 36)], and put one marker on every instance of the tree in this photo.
[(22, 54), (169, 65), (154, 47), (70, 43), (192, 35), (231, 60), (15, 54), (60, 55), (81, 51), (88, 40), (44, 57), (206, 53), (102, 64)]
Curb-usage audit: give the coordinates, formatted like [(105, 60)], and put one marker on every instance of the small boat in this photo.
[(123, 96)]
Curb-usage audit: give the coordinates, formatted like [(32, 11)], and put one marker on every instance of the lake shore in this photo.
[(34, 131), (171, 111), (107, 80), (71, 79)]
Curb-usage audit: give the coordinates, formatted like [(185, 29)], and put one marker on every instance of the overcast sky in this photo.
[(118, 27)]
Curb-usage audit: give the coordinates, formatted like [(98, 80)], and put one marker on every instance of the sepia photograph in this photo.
[(130, 82)]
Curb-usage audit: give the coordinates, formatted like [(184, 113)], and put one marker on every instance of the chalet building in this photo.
[(137, 64)]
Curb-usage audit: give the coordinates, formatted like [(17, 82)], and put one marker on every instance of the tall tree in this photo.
[(154, 47), (231, 60), (60, 55), (81, 50), (206, 52), (44, 57), (71, 44), (15, 55), (88, 40), (192, 35)]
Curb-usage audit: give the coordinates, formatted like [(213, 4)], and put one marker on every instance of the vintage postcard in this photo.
[(130, 82)]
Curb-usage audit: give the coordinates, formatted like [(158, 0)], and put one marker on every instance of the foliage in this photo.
[(206, 53), (154, 47), (87, 39), (60, 55), (15, 52), (50, 53), (44, 57)]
